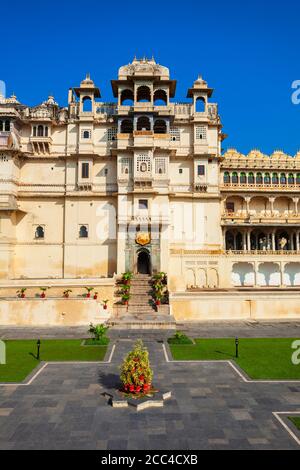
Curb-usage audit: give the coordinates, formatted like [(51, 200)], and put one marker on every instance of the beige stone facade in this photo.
[(93, 189)]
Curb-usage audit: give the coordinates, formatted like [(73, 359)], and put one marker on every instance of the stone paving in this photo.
[(211, 408)]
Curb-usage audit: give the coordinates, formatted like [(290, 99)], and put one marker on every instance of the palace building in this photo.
[(94, 189)]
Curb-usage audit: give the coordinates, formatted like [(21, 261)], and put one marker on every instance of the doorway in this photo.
[(143, 262)]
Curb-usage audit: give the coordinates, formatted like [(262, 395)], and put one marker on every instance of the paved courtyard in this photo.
[(211, 408)]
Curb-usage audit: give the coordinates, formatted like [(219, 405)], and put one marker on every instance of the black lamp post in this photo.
[(38, 349), (236, 347)]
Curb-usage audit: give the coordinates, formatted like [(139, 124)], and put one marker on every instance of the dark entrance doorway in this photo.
[(143, 263)]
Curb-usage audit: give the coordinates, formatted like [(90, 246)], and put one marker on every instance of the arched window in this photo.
[(267, 178), (282, 178), (243, 178), (126, 126), (160, 126), (87, 105), (226, 177), (40, 131), (200, 105), (46, 131), (86, 134), (235, 178), (143, 94), (83, 231), (291, 179), (275, 178), (39, 232), (259, 178), (160, 98), (143, 124), (127, 98), (7, 126), (34, 131), (251, 179), (298, 178)]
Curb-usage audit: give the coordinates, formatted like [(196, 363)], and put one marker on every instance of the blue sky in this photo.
[(248, 51)]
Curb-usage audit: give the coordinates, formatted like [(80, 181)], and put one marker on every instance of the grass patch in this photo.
[(295, 420), (261, 358), (96, 342), (180, 338), (21, 355)]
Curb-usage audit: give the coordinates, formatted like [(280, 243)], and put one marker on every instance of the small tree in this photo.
[(136, 373), (98, 331)]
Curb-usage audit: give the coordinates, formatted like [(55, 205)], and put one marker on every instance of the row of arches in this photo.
[(261, 205), (262, 240), (261, 178), (245, 274), (201, 278), (143, 123), (40, 131), (143, 95)]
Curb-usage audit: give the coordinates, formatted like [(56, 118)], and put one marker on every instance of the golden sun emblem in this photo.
[(143, 238)]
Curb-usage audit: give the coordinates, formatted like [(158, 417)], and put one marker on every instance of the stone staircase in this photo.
[(141, 301), (142, 313)]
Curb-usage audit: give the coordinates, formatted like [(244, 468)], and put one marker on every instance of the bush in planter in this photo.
[(43, 292), (21, 292), (125, 298), (89, 290), (105, 302), (136, 373), (99, 333), (127, 277), (67, 292), (180, 338)]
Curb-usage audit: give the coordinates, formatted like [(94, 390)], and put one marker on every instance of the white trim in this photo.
[(286, 427)]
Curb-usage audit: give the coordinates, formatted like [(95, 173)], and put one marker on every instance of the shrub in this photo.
[(136, 373), (180, 338), (98, 331)]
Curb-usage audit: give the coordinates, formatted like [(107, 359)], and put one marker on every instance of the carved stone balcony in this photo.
[(41, 145), (236, 218), (9, 140), (261, 187)]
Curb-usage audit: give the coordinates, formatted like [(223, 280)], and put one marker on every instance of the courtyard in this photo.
[(216, 403)]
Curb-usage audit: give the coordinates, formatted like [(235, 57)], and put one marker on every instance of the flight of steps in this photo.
[(141, 312), (141, 301)]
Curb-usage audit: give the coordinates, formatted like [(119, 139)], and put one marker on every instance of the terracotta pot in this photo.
[(88, 295), (66, 296), (105, 307), (157, 302), (95, 296), (22, 296), (125, 302), (43, 295)]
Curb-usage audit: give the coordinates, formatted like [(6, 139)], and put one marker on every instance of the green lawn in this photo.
[(296, 421), (261, 358), (20, 355)]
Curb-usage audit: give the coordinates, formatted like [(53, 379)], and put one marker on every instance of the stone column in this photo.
[(292, 241), (296, 200), (271, 201), (297, 241), (273, 241), (281, 274), (244, 241), (247, 199), (249, 240), (224, 238), (255, 265)]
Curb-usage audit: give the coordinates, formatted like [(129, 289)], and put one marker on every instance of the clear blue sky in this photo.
[(248, 51)]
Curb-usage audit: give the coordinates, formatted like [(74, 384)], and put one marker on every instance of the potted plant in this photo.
[(105, 304), (158, 297), (95, 295), (89, 290), (127, 277), (125, 298), (43, 292), (21, 292), (66, 293), (136, 373)]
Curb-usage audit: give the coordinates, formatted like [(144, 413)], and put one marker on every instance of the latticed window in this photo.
[(201, 133), (243, 178), (160, 165), (226, 177), (143, 163), (112, 133), (125, 165), (175, 134)]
